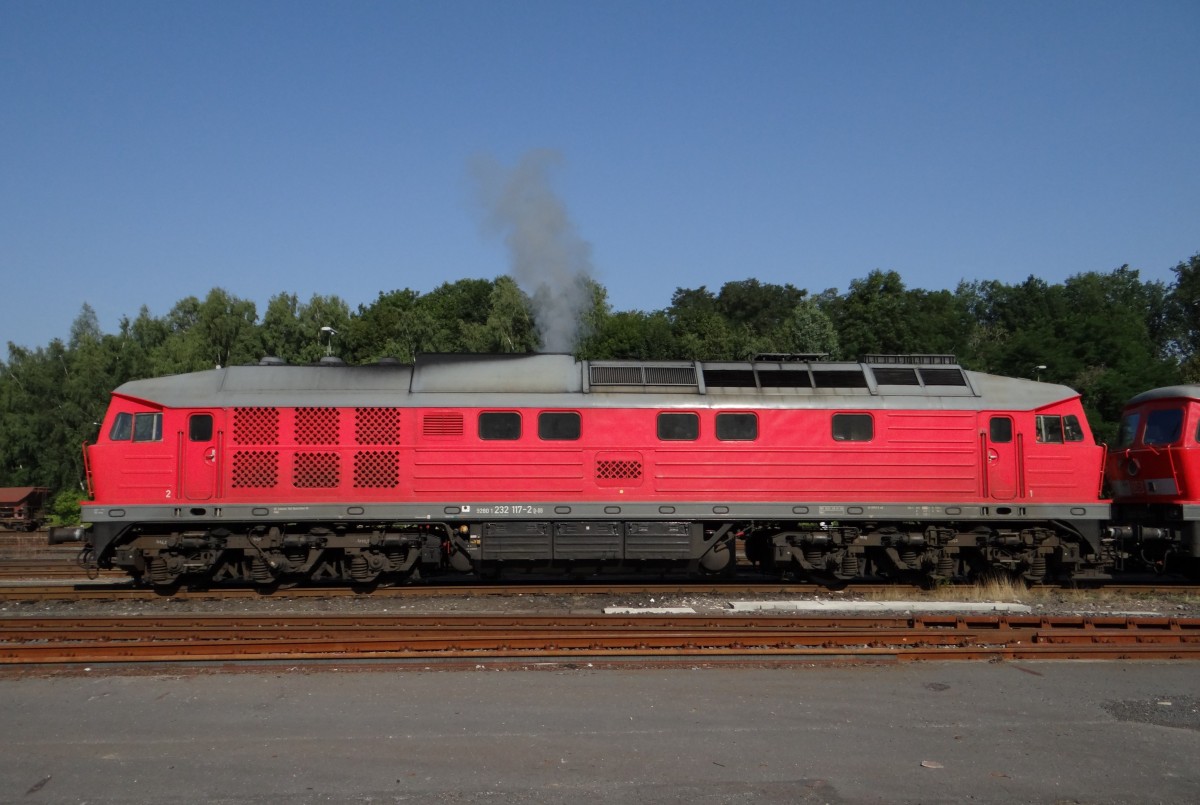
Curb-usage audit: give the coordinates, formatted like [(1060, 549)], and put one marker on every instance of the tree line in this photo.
[(1107, 335)]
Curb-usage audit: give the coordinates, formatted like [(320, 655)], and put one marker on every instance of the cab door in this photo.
[(201, 456), (1000, 458)]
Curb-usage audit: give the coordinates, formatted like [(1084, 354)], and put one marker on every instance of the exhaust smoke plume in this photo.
[(548, 260)]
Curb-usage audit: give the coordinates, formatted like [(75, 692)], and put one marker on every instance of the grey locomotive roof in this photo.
[(549, 381), (1191, 391)]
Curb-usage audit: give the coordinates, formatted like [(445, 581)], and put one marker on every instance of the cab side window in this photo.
[(1129, 429), (1049, 429), (1071, 428), (147, 427), (122, 428)]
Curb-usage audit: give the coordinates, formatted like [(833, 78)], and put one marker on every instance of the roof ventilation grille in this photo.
[(918, 360)]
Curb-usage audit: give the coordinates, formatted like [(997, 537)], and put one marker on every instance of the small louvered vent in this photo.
[(922, 359), (255, 469), (895, 377), (442, 423), (729, 378), (839, 379), (627, 375), (256, 426), (943, 377), (617, 376), (670, 375)]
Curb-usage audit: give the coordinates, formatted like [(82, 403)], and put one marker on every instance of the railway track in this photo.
[(114, 588), (647, 640)]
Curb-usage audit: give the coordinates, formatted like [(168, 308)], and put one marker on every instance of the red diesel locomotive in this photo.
[(1154, 475), (900, 466)]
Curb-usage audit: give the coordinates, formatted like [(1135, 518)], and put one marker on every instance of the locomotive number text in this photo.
[(510, 508)]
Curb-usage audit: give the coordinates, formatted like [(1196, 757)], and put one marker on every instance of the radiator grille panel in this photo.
[(255, 469)]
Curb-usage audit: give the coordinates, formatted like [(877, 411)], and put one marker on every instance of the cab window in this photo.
[(1049, 429), (1071, 428), (1000, 429), (1129, 429), (147, 427), (122, 428), (1164, 426)]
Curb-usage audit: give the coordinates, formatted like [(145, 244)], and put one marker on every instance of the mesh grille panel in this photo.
[(317, 425), (377, 425), (606, 470), (943, 377), (785, 379), (839, 379), (255, 469), (256, 426), (316, 471), (376, 469), (895, 377), (729, 378)]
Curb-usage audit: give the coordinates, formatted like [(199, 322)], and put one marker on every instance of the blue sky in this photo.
[(154, 150)]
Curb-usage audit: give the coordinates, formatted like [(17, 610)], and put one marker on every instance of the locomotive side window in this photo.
[(1049, 429), (1071, 428), (1163, 427), (1129, 429), (558, 425), (200, 428), (678, 427), (1000, 429), (500, 425), (737, 427), (147, 427), (853, 428), (122, 429)]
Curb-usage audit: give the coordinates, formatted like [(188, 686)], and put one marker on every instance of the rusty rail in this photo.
[(653, 639)]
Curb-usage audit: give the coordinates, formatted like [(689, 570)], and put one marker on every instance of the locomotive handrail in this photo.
[(87, 471), (1020, 465)]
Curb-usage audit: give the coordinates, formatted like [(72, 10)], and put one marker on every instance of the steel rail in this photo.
[(591, 638)]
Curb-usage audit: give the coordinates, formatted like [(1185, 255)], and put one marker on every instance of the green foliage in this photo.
[(64, 508), (1107, 335)]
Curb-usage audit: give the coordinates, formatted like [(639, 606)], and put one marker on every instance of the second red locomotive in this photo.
[(1154, 474)]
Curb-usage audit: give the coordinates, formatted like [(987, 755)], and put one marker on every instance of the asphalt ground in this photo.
[(1065, 732)]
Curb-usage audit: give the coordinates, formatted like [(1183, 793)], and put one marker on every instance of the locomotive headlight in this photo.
[(1132, 467)]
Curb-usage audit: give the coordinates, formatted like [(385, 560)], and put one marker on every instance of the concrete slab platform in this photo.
[(649, 611), (879, 606)]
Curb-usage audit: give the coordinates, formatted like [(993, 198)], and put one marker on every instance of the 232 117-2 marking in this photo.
[(505, 509)]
